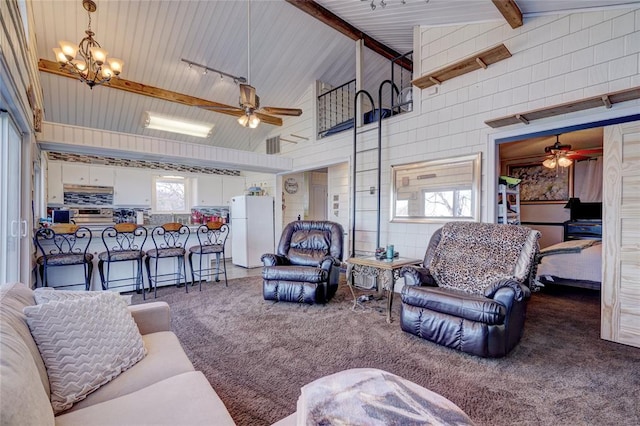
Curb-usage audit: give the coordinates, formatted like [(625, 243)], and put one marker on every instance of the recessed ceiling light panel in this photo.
[(152, 120)]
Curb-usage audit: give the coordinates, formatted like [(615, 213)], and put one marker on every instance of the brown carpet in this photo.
[(257, 355)]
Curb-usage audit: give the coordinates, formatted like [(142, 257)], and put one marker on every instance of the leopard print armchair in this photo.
[(471, 291)]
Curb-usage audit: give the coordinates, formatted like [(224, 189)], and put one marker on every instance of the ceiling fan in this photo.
[(562, 155), (249, 113)]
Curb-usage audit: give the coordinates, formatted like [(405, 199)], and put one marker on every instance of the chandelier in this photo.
[(90, 68)]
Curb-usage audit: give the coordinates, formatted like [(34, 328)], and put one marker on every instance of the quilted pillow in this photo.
[(84, 343)]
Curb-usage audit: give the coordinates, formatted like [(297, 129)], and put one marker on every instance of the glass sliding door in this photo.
[(12, 228)]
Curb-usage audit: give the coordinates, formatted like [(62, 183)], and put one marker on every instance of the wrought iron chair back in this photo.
[(126, 237), (123, 242), (211, 238), (170, 241), (170, 235), (212, 234), (64, 245)]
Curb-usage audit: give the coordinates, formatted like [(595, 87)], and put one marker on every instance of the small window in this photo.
[(171, 194), (447, 203)]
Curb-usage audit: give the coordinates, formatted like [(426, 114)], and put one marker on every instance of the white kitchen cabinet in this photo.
[(231, 187), (208, 190), (75, 174), (55, 192), (85, 174), (132, 187), (101, 176)]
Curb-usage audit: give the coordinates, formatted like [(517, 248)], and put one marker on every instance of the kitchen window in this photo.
[(171, 194)]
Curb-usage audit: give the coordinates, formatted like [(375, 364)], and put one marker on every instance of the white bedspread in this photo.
[(585, 265)]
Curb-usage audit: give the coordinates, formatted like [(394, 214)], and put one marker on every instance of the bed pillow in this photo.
[(84, 343)]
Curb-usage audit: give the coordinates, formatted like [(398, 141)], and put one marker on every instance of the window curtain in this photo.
[(588, 180)]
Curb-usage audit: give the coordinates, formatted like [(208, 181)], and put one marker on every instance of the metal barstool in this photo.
[(123, 242), (212, 238), (170, 241), (64, 245)]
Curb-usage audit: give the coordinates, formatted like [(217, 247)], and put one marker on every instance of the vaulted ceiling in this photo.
[(289, 51)]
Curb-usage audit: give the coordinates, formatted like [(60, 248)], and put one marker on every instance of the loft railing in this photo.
[(335, 107)]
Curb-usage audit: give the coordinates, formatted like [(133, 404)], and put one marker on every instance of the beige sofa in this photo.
[(163, 388)]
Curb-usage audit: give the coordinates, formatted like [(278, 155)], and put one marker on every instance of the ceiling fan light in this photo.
[(253, 121), (564, 161), (549, 163), (243, 120)]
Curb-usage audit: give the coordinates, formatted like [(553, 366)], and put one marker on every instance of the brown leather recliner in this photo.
[(306, 267), (471, 291)]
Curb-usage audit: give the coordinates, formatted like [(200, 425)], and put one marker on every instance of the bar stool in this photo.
[(170, 241), (123, 242), (64, 245), (212, 238)]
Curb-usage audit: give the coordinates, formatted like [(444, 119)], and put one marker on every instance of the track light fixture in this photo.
[(383, 3), (206, 69)]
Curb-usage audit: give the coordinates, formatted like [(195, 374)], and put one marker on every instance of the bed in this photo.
[(576, 263)]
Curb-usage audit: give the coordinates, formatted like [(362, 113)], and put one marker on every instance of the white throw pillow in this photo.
[(49, 294), (84, 343)]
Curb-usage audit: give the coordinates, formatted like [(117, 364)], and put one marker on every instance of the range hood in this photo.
[(88, 189)]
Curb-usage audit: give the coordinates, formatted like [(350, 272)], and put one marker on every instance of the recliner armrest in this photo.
[(417, 275), (270, 259), (520, 291), (328, 261)]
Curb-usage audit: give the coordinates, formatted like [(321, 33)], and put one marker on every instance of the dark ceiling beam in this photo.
[(510, 11), (324, 15), (53, 67)]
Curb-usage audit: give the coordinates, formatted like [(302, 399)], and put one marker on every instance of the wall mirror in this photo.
[(437, 191)]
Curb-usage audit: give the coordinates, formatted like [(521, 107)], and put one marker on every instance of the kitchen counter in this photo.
[(124, 269)]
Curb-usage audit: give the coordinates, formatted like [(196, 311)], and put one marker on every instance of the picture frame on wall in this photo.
[(541, 185)]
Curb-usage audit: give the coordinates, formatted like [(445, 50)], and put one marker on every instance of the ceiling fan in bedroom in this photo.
[(561, 155), (249, 112)]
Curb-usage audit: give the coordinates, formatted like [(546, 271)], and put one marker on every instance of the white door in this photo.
[(12, 228), (620, 317)]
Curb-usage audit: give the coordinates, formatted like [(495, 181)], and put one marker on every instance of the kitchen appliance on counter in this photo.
[(93, 215), (253, 229)]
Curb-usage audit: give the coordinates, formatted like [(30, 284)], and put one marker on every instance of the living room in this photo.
[(556, 58)]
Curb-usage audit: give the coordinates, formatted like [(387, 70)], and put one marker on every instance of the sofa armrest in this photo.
[(520, 291), (151, 317), (270, 259), (417, 275)]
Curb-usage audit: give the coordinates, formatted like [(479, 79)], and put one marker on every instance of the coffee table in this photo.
[(371, 274)]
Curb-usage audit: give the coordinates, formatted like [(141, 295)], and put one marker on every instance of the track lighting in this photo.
[(206, 69), (373, 5)]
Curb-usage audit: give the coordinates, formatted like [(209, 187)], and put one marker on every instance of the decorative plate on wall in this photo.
[(291, 186)]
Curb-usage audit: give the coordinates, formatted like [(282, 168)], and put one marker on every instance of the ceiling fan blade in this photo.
[(226, 108), (588, 151), (294, 112)]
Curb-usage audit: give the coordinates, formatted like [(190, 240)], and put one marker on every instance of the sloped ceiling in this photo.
[(289, 51)]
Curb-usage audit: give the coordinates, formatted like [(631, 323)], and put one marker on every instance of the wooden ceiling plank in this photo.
[(510, 11), (568, 107), (329, 18), (158, 93), (463, 66)]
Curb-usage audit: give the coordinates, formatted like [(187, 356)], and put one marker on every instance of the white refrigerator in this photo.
[(253, 229)]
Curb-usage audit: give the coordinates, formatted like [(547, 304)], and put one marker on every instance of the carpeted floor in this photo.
[(257, 355)]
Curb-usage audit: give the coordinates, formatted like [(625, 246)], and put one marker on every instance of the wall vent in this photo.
[(273, 145)]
